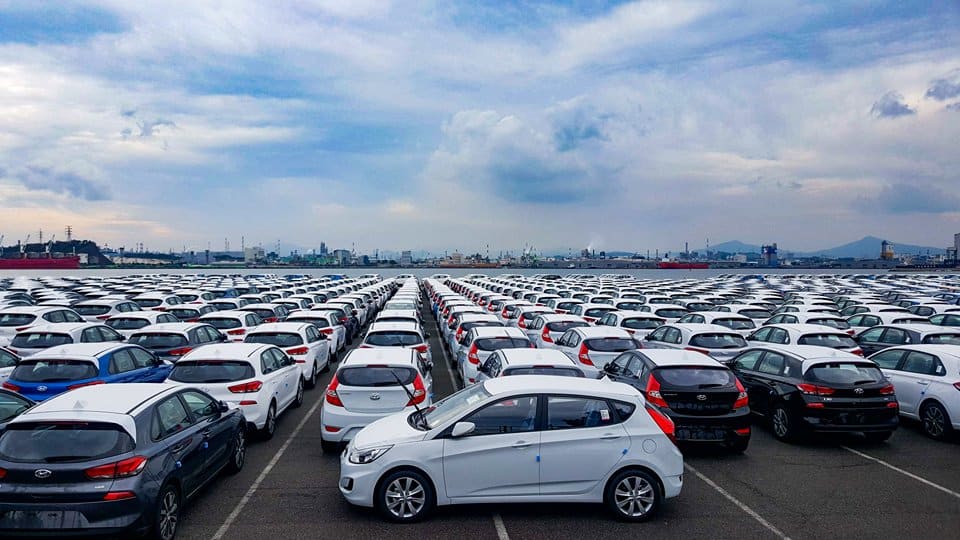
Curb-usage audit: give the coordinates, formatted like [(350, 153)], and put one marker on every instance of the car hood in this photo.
[(392, 429)]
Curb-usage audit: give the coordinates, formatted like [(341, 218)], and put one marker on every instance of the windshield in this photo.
[(16, 319), (376, 376), (497, 343), (127, 324), (54, 371), (718, 341), (611, 344), (90, 311), (223, 323), (158, 341), (280, 339), (544, 370), (61, 442), (844, 373), (454, 405), (834, 341), (695, 377), (39, 340), (211, 371), (394, 339)]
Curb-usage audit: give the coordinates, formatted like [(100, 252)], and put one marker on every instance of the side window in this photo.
[(762, 334), (856, 320), (171, 417), (779, 335), (54, 317), (921, 363), (894, 336), (673, 336), (514, 415), (872, 335), (619, 364), (577, 412), (574, 339), (199, 404), (634, 367), (121, 362), (497, 366), (212, 334), (772, 364), (888, 359), (142, 358), (937, 319), (748, 360), (280, 360), (7, 359), (109, 334), (794, 368), (91, 335), (251, 320), (697, 319), (268, 364), (313, 335), (70, 316)]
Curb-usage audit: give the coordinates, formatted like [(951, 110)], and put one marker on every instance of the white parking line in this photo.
[(903, 472), (749, 511), (501, 528), (263, 474)]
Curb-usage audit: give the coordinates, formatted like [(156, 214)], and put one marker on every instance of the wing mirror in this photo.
[(462, 428), (223, 406)]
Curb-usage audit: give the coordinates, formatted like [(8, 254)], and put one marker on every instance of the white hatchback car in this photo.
[(592, 347), (406, 335), (509, 362), (517, 439), (302, 341), (235, 324), (259, 379), (328, 323)]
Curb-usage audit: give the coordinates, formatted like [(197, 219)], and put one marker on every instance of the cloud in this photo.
[(36, 177), (575, 123), (915, 198), (891, 105), (149, 127), (954, 107), (945, 88)]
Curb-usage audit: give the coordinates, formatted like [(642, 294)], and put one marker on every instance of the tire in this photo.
[(331, 359), (329, 447), (935, 421), (404, 496), (633, 495), (877, 437), (270, 426), (738, 445), (312, 381), (166, 519), (298, 401), (239, 454), (782, 425)]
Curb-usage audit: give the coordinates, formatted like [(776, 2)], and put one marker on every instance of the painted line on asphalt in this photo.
[(741, 505), (501, 528), (908, 474), (263, 474)]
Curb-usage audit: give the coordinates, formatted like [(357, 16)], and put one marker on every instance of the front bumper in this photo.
[(358, 482)]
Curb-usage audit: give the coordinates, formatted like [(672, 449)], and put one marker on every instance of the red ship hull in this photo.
[(45, 263), (676, 265)]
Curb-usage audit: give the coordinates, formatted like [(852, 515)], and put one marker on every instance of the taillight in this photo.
[(326, 331), (858, 352), (103, 317), (459, 333), (22, 328), (120, 469), (419, 392), (955, 385), (344, 320), (522, 323), (653, 392), (421, 348), (815, 390), (11, 386), (887, 390), (545, 336), (298, 351), (663, 422), (473, 356), (585, 355), (246, 388), (3, 473), (504, 313), (893, 405), (237, 332), (694, 349), (742, 399), (180, 352), (81, 385), (331, 395)]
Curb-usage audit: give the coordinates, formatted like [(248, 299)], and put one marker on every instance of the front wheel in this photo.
[(936, 421), (633, 495), (404, 496), (312, 381)]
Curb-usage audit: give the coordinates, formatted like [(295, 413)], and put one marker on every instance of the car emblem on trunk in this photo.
[(858, 390), (42, 473), (41, 388), (702, 397), (374, 396)]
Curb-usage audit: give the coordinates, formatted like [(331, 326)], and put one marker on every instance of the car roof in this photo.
[(142, 314), (702, 328), (225, 351), (561, 385), (61, 328), (678, 357), (239, 313), (938, 349), (923, 328), (721, 315), (495, 331), (801, 328), (630, 314), (281, 327), (807, 352), (393, 355), (31, 310)]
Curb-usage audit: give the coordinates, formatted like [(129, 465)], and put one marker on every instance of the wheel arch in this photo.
[(634, 467)]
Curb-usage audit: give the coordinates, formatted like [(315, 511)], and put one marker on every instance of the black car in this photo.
[(817, 391), (702, 396), (881, 337), (117, 459), (170, 341), (12, 405)]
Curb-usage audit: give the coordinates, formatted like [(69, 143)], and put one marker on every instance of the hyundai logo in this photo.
[(858, 390), (701, 397), (374, 396), (42, 473), (41, 388)]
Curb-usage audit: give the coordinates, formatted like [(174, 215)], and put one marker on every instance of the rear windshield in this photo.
[(38, 442), (641, 324), (611, 344), (184, 313), (54, 371), (223, 323), (736, 324), (563, 326), (566, 305), (394, 339), (718, 341), (695, 377), (834, 341), (265, 313), (497, 343), (317, 322), (211, 371), (839, 324), (375, 376), (596, 312), (544, 370), (158, 341), (477, 324), (756, 313), (40, 340), (16, 319), (632, 306), (671, 313), (149, 302), (127, 324), (943, 339), (89, 311), (188, 297), (223, 305), (844, 373), (398, 319), (280, 339)]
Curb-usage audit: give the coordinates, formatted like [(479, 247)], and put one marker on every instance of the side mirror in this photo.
[(122, 337), (462, 428), (223, 406), (750, 338), (484, 368), (428, 367), (648, 337), (223, 337), (606, 367)]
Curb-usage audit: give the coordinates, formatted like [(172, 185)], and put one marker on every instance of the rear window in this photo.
[(695, 377), (563, 326), (756, 313), (184, 313), (844, 373), (38, 442), (211, 371), (90, 311), (54, 371), (839, 324), (632, 306), (943, 339), (318, 322), (148, 302), (834, 341), (223, 323), (280, 339), (40, 340), (596, 312), (188, 297), (671, 313), (718, 341), (544, 370), (223, 305), (394, 339), (265, 313), (375, 376), (611, 344), (641, 324), (158, 341), (736, 324), (127, 324), (16, 319), (497, 343)]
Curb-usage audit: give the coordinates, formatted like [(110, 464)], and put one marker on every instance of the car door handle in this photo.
[(923, 382), (520, 445), (205, 433), (180, 447), (610, 436)]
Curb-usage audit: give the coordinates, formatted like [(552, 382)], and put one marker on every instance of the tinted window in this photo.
[(7, 359), (670, 313), (171, 417), (943, 339), (755, 313), (63, 442), (394, 339), (922, 363), (122, 361), (544, 370), (11, 406), (200, 405), (611, 344), (90, 311), (718, 341), (736, 324), (39, 340), (211, 371), (515, 415), (223, 323), (575, 412), (12, 319), (844, 373), (497, 343), (834, 341), (375, 376), (148, 303), (694, 377), (641, 324), (280, 339), (158, 341), (887, 359), (839, 324), (563, 326), (772, 364), (54, 370), (127, 323)]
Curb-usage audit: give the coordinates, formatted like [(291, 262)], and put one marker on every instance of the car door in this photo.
[(869, 340), (745, 368), (654, 339), (152, 368), (500, 457), (216, 433), (122, 367), (766, 380), (581, 442), (916, 371), (91, 335), (289, 377), (173, 425)]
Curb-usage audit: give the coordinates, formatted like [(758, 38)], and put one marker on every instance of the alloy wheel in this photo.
[(781, 423), (634, 496), (405, 497), (934, 422), (169, 514), (240, 451)]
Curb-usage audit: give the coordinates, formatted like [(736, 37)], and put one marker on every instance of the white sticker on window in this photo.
[(604, 415)]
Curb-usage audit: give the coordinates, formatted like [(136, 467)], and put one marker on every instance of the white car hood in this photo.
[(392, 429)]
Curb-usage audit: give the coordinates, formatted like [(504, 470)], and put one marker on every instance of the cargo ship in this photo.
[(682, 265), (70, 262)]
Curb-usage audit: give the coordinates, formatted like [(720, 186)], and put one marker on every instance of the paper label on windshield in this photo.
[(604, 415)]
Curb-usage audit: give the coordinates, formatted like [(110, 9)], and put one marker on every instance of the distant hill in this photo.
[(734, 246), (868, 247)]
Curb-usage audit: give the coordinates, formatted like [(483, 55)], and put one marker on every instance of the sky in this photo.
[(441, 125)]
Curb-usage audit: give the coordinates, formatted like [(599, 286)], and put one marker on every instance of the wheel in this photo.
[(298, 401), (239, 455), (168, 514), (936, 421), (738, 445), (312, 381), (329, 447), (404, 496), (633, 495), (877, 436), (270, 426), (782, 425), (331, 359)]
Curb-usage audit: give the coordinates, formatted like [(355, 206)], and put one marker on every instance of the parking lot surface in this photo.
[(831, 488)]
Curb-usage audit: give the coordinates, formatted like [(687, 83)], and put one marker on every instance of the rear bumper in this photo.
[(72, 519), (851, 420), (718, 429)]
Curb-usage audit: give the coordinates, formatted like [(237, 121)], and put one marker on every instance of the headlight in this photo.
[(367, 455)]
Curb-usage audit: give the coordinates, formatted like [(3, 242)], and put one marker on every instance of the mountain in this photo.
[(734, 246), (868, 247)]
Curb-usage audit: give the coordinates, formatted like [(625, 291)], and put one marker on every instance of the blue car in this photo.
[(59, 369)]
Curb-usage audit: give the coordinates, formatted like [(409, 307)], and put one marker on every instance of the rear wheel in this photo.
[(298, 400), (404, 496), (782, 424), (239, 455), (312, 381), (633, 495), (936, 421), (168, 514), (270, 426)]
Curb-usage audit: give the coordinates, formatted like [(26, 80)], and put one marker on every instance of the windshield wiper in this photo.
[(866, 381), (62, 459), (710, 385)]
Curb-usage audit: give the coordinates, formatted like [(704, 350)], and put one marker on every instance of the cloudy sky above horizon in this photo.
[(433, 125)]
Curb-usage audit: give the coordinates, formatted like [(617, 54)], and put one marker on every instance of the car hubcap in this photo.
[(780, 422), (933, 421), (241, 452), (405, 497), (168, 515), (634, 496)]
